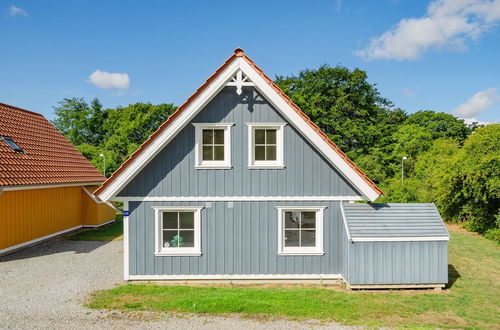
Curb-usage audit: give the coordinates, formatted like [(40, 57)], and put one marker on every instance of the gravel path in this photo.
[(44, 287)]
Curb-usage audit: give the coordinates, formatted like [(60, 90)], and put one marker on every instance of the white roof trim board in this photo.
[(393, 222), (203, 99)]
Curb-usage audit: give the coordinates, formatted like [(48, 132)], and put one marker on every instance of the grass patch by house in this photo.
[(111, 232), (472, 301)]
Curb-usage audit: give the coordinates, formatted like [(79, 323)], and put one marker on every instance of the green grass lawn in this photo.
[(472, 301), (111, 232)]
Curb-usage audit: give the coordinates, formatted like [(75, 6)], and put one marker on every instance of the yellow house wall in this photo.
[(93, 213), (26, 215)]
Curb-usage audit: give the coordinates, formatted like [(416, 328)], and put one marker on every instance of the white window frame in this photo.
[(177, 251), (264, 164), (316, 250), (199, 163)]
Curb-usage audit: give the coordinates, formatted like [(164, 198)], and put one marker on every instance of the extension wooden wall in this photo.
[(27, 215), (94, 214)]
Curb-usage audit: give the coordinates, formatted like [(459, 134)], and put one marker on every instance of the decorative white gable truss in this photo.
[(238, 72), (239, 80)]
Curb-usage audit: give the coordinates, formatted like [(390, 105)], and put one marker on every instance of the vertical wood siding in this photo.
[(398, 262), (26, 215), (29, 214), (94, 214), (172, 172), (238, 240)]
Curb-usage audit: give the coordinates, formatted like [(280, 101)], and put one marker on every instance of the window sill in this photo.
[(178, 254), (263, 167), (213, 167), (304, 253)]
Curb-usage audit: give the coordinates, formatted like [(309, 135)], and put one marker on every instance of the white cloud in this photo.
[(108, 80), (474, 122), (16, 11), (477, 103), (408, 92), (338, 5), (447, 24)]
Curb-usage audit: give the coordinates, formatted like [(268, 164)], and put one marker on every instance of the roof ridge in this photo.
[(18, 108)]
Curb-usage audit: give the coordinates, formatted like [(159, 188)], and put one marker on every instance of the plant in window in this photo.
[(177, 230), (177, 241)]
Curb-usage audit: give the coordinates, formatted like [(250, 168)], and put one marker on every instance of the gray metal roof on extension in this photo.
[(390, 221)]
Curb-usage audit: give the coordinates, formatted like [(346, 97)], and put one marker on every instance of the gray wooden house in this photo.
[(239, 184)]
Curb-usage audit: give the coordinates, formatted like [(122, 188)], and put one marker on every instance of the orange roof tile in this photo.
[(237, 53), (48, 157)]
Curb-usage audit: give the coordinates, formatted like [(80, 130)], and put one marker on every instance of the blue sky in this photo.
[(442, 55)]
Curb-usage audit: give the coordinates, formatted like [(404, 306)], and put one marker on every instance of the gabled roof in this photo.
[(48, 157), (386, 222), (237, 61)]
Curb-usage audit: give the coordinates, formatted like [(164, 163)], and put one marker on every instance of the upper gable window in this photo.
[(265, 145), (12, 144), (213, 145)]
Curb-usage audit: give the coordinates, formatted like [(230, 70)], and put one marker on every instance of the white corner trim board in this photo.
[(216, 85), (399, 239), (236, 277), (126, 241), (236, 198), (38, 240), (344, 220)]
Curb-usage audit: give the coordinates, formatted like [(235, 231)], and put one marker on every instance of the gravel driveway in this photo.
[(44, 287)]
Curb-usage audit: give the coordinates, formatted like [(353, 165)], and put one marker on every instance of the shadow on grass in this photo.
[(453, 276), (110, 232)]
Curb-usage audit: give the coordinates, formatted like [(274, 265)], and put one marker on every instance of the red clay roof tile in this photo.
[(48, 158)]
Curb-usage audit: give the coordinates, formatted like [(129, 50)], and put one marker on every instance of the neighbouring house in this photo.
[(239, 184), (46, 184)]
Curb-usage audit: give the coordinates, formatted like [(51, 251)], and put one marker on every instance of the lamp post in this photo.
[(403, 168), (103, 162)]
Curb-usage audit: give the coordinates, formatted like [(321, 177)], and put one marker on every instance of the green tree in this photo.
[(440, 124), (434, 170), (473, 196), (343, 104), (96, 122), (126, 128), (114, 132), (72, 120)]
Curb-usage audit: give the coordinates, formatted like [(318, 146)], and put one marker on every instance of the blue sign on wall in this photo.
[(125, 213)]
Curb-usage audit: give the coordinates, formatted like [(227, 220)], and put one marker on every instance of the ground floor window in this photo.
[(177, 230), (300, 230)]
